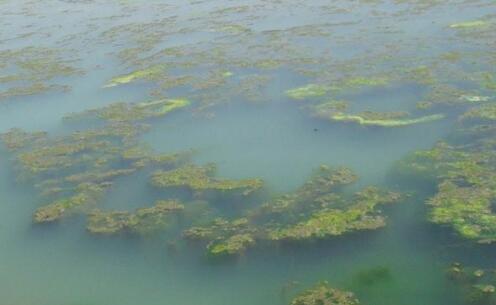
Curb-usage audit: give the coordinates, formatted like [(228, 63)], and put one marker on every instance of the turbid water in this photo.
[(236, 62)]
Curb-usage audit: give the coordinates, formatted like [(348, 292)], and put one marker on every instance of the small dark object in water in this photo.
[(315, 129)]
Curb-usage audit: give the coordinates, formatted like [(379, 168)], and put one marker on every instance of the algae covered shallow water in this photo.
[(220, 152)]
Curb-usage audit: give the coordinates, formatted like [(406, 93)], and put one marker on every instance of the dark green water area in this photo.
[(247, 152)]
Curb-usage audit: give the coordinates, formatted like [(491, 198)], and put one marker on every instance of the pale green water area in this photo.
[(247, 152)]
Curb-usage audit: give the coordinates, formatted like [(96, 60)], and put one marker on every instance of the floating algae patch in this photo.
[(199, 178), (324, 181), (324, 294), (481, 113), (467, 209), (86, 194), (33, 70), (333, 112), (469, 24), (315, 211), (359, 214), (442, 95), (224, 237), (363, 82), (75, 171), (362, 119), (308, 91), (125, 112), (149, 74), (142, 221), (464, 174)]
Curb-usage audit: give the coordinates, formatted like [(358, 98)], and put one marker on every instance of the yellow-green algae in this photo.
[(333, 111), (318, 90), (323, 294), (149, 73), (469, 24), (362, 119)]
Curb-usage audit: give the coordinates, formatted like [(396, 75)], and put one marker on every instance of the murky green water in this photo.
[(236, 66)]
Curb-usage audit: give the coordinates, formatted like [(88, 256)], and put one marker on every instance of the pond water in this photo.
[(237, 62)]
